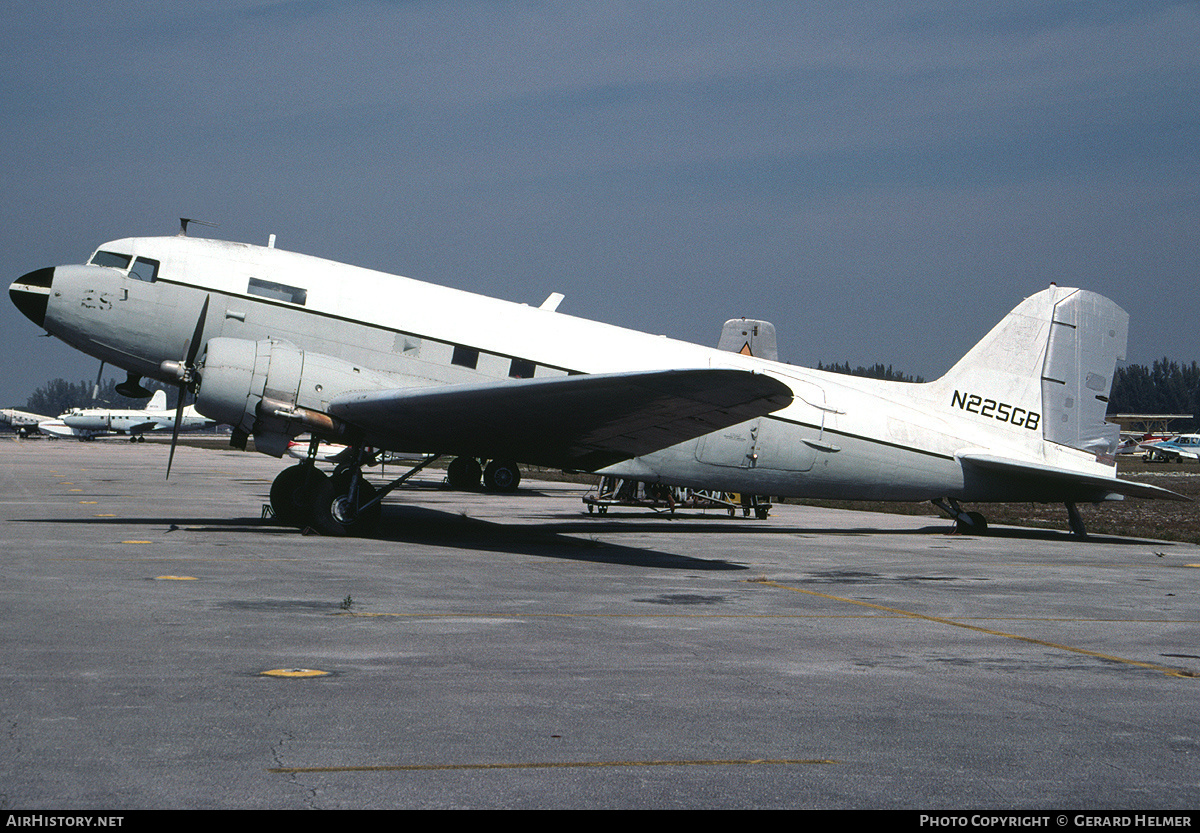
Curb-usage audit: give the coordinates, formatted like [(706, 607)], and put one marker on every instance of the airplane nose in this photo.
[(31, 292)]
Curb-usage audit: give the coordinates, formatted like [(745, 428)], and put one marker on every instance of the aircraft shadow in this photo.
[(682, 524), (574, 538), (421, 525)]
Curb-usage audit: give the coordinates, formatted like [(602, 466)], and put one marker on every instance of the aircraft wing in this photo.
[(58, 428), (581, 422), (1094, 483)]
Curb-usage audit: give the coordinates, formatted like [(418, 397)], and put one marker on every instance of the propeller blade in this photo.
[(189, 365), (175, 428), (96, 387), (193, 346)]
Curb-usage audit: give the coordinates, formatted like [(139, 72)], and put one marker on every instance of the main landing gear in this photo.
[(465, 473), (341, 504)]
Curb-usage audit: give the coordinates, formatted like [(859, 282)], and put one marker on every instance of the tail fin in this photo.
[(750, 337), (158, 402), (1051, 360)]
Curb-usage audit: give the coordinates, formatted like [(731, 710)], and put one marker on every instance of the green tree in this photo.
[(1166, 387), (875, 371)]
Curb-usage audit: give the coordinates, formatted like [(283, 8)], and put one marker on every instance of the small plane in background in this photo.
[(89, 423), (23, 422), (276, 344), (1134, 443), (1176, 449)]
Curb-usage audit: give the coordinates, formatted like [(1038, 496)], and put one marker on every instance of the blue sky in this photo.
[(883, 184)]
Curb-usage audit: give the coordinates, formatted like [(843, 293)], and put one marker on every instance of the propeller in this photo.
[(185, 371)]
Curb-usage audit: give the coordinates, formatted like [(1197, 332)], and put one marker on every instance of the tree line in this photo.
[(58, 396), (1166, 387), (875, 371)]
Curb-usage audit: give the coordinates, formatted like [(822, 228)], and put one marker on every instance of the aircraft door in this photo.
[(733, 447), (791, 441)]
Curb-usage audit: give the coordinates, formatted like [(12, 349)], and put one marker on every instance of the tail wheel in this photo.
[(501, 476), (334, 513), (973, 524)]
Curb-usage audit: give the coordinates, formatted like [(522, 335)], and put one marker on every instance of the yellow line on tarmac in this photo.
[(550, 765), (1174, 672)]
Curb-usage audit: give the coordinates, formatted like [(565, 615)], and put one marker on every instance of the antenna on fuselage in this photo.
[(183, 224)]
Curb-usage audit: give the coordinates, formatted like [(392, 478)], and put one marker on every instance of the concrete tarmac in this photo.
[(514, 651)]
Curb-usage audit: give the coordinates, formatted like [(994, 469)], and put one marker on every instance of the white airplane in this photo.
[(276, 343), (1174, 449), (89, 423), (23, 422)]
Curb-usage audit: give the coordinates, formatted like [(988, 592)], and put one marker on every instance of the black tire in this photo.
[(292, 494), (977, 525), (464, 473), (501, 476), (333, 516)]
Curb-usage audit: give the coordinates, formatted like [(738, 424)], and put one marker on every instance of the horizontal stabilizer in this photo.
[(1066, 479), (576, 422)]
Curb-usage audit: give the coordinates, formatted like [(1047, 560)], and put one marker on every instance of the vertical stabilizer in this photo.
[(158, 402), (749, 337), (1048, 366)]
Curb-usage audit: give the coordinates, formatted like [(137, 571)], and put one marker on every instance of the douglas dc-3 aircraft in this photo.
[(23, 422), (88, 423), (275, 343)]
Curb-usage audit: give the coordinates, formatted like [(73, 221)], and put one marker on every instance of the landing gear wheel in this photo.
[(292, 494), (976, 525), (501, 476), (464, 473), (335, 516)]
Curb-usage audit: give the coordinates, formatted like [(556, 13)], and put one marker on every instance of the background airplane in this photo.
[(23, 422), (276, 344), (1177, 448), (89, 423)]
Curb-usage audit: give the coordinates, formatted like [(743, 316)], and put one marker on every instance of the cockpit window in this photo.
[(114, 259), (144, 269), (277, 291)]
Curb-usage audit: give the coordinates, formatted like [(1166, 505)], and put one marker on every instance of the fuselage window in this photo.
[(113, 259), (277, 291), (465, 356), (144, 269), (521, 369)]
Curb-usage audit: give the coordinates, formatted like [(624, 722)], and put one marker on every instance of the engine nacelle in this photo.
[(275, 391)]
